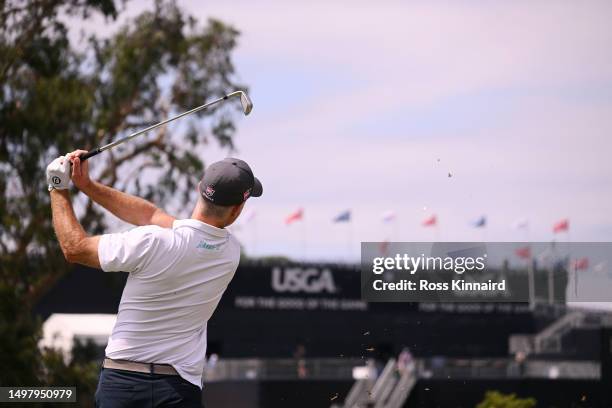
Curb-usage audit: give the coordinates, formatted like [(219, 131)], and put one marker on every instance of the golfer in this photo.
[(178, 271)]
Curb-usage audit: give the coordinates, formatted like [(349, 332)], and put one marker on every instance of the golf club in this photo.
[(245, 101)]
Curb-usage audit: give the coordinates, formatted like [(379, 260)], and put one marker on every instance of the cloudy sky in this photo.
[(370, 106)]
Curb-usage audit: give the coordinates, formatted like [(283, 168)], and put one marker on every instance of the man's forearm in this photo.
[(129, 208), (76, 245), (67, 227)]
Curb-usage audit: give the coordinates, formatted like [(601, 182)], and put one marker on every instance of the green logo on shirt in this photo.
[(212, 247)]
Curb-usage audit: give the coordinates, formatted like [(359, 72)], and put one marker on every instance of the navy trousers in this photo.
[(123, 389)]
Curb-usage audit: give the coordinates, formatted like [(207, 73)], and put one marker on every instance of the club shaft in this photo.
[(162, 123), (155, 126)]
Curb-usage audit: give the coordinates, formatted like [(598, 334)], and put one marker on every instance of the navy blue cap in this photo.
[(229, 182)]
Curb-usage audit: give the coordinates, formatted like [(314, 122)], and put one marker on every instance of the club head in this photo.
[(247, 104)]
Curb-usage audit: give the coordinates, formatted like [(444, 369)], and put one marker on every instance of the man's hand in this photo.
[(58, 174), (80, 170)]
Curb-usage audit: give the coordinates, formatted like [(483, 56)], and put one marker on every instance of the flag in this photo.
[(344, 216), (580, 264), (522, 223), (480, 222), (430, 221), (389, 216), (295, 216), (561, 226), (383, 247), (523, 252)]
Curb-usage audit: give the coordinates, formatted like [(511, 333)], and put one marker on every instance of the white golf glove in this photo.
[(58, 174)]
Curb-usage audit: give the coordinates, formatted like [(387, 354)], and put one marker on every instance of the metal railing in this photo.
[(342, 369), (507, 369), (281, 369)]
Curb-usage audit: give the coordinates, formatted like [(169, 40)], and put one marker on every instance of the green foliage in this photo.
[(495, 399), (80, 374), (19, 335), (57, 96)]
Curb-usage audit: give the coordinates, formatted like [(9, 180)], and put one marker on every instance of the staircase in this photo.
[(549, 340), (390, 390)]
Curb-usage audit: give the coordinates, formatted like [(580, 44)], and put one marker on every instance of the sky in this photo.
[(458, 109)]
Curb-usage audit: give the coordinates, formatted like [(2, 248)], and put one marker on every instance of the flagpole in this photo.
[(569, 254), (349, 241), (303, 240), (551, 286), (523, 224), (531, 279)]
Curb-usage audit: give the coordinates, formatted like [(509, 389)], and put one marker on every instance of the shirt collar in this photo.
[(202, 226)]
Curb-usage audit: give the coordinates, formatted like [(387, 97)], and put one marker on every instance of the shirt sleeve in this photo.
[(126, 251)]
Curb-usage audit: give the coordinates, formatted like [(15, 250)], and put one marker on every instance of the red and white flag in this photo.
[(561, 226), (523, 252), (580, 264), (430, 221), (295, 216)]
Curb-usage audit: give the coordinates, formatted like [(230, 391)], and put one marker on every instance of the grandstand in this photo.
[(299, 335)]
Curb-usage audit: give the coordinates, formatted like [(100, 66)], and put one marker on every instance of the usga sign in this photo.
[(296, 279)]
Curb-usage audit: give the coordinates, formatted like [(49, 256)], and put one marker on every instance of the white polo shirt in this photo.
[(176, 278)]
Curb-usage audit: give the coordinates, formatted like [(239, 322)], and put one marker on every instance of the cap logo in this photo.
[(246, 194), (209, 191)]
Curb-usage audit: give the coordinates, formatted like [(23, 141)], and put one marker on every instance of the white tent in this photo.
[(60, 331)]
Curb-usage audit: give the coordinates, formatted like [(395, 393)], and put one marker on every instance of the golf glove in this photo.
[(58, 174)]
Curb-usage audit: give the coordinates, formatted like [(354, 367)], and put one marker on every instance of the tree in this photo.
[(495, 399), (56, 97)]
